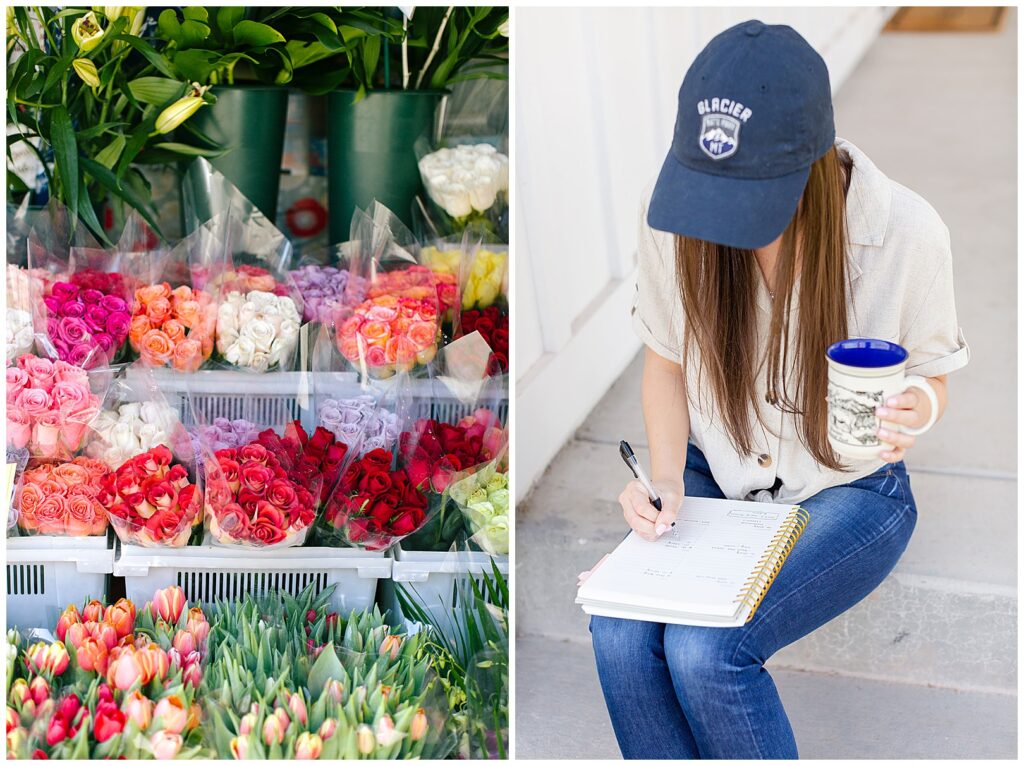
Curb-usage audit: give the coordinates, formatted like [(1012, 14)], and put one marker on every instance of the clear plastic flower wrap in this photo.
[(174, 324), (50, 405), (266, 493), (394, 324), (437, 453), (82, 313), (259, 308), (154, 497)]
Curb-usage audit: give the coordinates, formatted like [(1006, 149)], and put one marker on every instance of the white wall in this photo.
[(596, 96)]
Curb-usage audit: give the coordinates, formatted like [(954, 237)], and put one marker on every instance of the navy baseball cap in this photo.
[(755, 112)]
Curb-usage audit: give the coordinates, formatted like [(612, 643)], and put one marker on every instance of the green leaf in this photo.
[(124, 191), (156, 90), (192, 34), (190, 151), (196, 64), (87, 212), (151, 55), (168, 25), (256, 34), (326, 667), (196, 13), (371, 55), (227, 17), (65, 156)]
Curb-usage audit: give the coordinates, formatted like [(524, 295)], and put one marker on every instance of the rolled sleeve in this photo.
[(932, 335), (657, 309)]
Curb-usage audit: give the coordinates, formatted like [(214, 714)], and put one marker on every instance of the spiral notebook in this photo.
[(712, 568)]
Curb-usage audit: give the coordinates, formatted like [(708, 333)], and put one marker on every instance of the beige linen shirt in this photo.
[(900, 289)]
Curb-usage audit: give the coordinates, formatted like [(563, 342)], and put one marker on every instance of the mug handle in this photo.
[(916, 381)]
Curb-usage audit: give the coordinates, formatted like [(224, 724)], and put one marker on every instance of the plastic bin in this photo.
[(209, 572), (46, 573), (430, 576)]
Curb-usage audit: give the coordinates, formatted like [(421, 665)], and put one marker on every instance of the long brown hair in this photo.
[(719, 294)]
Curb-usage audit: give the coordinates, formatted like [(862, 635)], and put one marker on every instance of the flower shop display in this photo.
[(173, 327), (151, 501), (360, 423), (258, 331), (49, 406), (63, 498), (323, 289), (130, 429), (20, 337)]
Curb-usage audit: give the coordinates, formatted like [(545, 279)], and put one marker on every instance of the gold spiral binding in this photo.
[(768, 566)]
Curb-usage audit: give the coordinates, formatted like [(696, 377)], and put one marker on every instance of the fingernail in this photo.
[(882, 412), (660, 529), (892, 402)]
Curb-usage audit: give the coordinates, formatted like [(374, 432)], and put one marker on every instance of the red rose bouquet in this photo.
[(255, 496), (314, 460), (432, 451), (492, 324), (63, 498), (151, 502), (374, 504)]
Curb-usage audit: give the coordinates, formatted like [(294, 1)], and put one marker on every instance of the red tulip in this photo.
[(69, 707), (68, 617), (93, 611), (93, 655), (108, 722), (13, 720), (56, 731), (168, 604), (40, 690)]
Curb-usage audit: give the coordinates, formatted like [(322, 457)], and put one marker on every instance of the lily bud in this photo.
[(391, 645), (87, 32), (327, 728), (180, 110), (308, 747), (272, 730), (365, 740), (165, 745), (86, 71), (418, 727), (239, 748), (40, 690)]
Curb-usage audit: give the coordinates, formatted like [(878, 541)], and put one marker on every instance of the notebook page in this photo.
[(700, 565)]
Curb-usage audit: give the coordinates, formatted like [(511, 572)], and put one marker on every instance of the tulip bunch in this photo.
[(253, 499), (151, 502), (129, 430), (49, 405), (492, 324), (173, 326), (373, 505), (87, 320), (63, 498), (388, 334)]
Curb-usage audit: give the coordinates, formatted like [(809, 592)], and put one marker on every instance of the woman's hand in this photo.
[(908, 409), (643, 517)]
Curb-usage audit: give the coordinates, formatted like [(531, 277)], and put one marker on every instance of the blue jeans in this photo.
[(677, 691)]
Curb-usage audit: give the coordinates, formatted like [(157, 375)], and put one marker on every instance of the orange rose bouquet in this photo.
[(63, 498), (174, 327)]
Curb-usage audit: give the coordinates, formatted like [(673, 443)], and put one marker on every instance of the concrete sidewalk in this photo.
[(929, 661)]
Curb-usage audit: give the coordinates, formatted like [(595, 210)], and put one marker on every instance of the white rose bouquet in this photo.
[(20, 338), (258, 331), (465, 181), (130, 429)]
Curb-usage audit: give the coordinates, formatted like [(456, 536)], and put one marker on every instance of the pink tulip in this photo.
[(282, 716), (168, 604), (184, 642), (171, 714), (247, 724), (308, 747), (165, 745), (139, 708), (273, 731), (387, 735), (418, 727), (93, 611), (334, 690), (124, 670), (197, 625), (40, 690), (327, 728), (298, 707), (68, 617), (239, 748), (391, 645), (76, 633)]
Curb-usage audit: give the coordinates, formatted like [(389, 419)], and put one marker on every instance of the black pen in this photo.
[(629, 458)]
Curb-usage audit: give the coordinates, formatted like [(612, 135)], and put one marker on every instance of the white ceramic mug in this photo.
[(862, 374)]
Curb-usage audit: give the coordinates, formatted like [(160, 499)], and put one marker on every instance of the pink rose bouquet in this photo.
[(49, 405), (87, 320)]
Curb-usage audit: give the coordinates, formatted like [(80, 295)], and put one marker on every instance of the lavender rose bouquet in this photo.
[(360, 423), (322, 288)]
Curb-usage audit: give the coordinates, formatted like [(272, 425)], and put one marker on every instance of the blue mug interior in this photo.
[(867, 352)]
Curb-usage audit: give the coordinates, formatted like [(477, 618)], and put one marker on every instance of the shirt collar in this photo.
[(867, 204)]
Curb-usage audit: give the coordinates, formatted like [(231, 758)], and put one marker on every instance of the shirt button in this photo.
[(764, 460)]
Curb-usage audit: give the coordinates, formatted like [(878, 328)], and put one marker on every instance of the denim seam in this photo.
[(806, 583)]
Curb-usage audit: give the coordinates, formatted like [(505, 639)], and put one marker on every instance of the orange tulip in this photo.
[(40, 690), (121, 617), (68, 617), (139, 708), (170, 714), (93, 611), (391, 645), (418, 727), (93, 656)]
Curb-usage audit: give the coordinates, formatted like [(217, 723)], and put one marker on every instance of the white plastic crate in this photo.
[(209, 572), (430, 577), (46, 573), (278, 397)]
